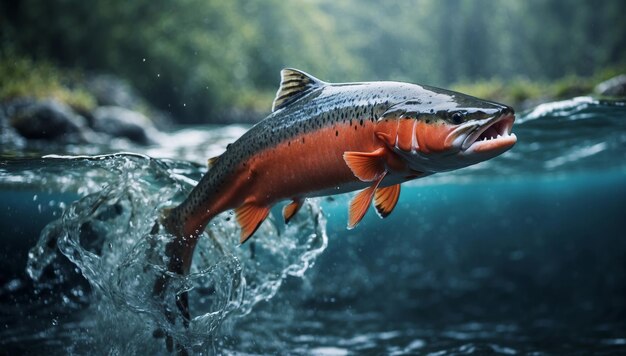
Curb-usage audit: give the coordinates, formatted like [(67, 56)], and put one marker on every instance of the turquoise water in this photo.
[(523, 254)]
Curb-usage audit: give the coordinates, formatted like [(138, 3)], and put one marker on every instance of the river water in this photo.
[(523, 254)]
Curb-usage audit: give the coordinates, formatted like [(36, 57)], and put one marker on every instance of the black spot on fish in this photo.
[(337, 133), (303, 140), (361, 122)]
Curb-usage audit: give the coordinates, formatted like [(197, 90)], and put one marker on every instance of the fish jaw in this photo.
[(440, 147), (491, 138)]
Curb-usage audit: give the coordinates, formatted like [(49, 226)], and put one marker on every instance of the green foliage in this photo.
[(513, 92), (23, 77), (518, 91), (199, 59)]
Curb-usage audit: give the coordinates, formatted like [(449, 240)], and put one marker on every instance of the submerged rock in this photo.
[(121, 122), (615, 86)]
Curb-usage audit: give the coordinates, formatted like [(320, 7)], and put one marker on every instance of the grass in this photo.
[(23, 77)]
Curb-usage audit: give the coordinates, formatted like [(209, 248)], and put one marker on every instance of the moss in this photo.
[(23, 77), (518, 91)]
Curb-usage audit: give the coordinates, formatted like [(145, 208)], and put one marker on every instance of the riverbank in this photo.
[(40, 101)]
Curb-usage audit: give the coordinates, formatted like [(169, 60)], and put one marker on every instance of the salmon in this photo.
[(322, 139)]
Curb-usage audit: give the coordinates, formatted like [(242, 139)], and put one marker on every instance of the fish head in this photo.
[(446, 131)]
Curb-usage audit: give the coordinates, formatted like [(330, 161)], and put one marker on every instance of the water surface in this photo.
[(523, 254)]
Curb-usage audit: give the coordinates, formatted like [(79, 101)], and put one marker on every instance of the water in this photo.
[(523, 254)]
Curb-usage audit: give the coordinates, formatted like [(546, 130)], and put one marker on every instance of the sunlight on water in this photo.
[(108, 234)]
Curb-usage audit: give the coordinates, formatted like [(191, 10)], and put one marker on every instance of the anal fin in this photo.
[(361, 202), (385, 199), (291, 209), (367, 166), (250, 217)]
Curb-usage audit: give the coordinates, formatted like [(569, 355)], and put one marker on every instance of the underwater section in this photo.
[(110, 236), (525, 253)]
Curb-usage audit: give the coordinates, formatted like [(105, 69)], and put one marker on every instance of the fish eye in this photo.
[(457, 118)]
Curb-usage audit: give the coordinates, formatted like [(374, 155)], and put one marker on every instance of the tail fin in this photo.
[(180, 249)]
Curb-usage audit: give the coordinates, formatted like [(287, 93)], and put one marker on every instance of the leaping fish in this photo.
[(324, 138)]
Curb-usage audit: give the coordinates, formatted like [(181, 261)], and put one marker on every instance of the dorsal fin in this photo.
[(293, 84)]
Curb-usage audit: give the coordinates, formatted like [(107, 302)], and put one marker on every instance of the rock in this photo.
[(121, 122), (46, 120), (110, 90), (9, 138), (615, 86)]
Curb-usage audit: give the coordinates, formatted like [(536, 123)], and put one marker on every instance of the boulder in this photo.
[(110, 90), (121, 122), (46, 120), (9, 138), (615, 86)]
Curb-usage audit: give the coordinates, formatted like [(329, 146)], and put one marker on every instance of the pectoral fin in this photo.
[(361, 202), (250, 217), (367, 166), (385, 199), (291, 209)]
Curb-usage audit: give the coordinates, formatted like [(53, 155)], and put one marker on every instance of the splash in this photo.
[(110, 236)]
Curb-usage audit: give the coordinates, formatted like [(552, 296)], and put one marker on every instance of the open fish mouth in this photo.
[(495, 134)]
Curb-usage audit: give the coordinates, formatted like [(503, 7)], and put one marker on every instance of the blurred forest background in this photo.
[(215, 61)]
